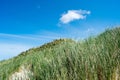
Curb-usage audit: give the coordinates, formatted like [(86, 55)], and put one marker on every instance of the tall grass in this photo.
[(95, 58)]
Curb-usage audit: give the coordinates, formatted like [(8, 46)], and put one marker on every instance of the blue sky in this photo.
[(29, 23)]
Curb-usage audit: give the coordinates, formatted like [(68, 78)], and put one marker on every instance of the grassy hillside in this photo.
[(96, 58)]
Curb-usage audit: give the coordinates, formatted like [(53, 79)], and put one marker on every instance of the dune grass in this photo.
[(95, 58)]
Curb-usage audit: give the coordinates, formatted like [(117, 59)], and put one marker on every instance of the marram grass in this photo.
[(95, 58)]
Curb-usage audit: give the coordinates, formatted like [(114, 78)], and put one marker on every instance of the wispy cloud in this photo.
[(8, 50), (72, 15), (90, 30), (29, 36), (12, 44)]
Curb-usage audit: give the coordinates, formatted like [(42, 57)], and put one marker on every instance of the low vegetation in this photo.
[(95, 58)]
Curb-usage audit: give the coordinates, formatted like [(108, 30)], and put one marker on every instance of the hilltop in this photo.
[(95, 58)]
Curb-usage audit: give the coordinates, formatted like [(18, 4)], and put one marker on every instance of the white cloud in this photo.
[(72, 15)]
